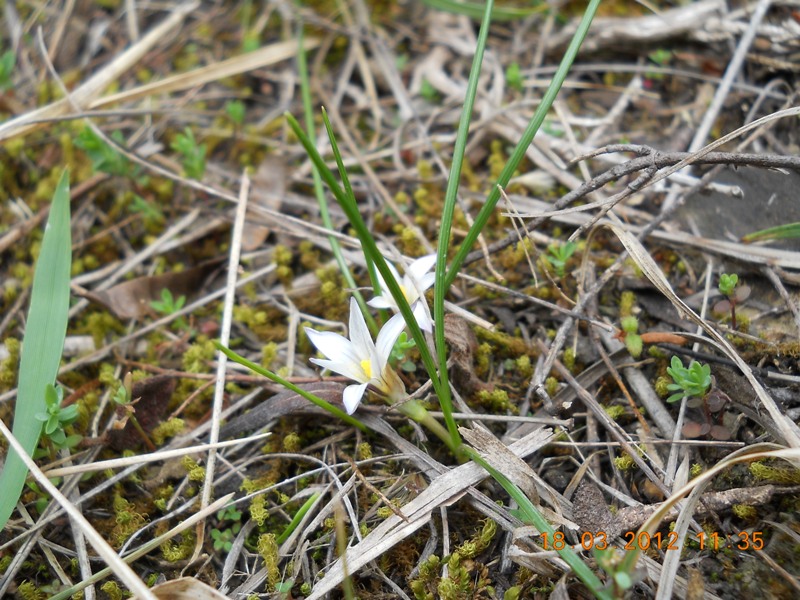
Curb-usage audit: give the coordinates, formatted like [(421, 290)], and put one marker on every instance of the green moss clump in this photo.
[(614, 412), (193, 469), (268, 549), (626, 303), (551, 386), (28, 591), (112, 589), (258, 509), (167, 429), (181, 550), (661, 386), (497, 401), (483, 357), (775, 472), (198, 355), (292, 442), (8, 367), (696, 470), (745, 511), (127, 519), (624, 462)]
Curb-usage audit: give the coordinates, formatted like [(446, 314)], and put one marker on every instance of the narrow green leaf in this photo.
[(45, 331), (475, 10), (781, 232)]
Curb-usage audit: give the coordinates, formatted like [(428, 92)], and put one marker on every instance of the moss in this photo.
[(268, 549), (197, 356), (8, 367), (483, 357), (497, 401), (27, 591), (569, 359), (745, 511), (776, 472), (112, 589), (524, 366), (551, 386), (627, 301), (696, 470), (127, 520), (661, 386), (100, 324), (193, 469), (624, 462), (292, 442), (167, 429), (175, 551), (384, 512), (614, 412), (364, 451), (258, 509)]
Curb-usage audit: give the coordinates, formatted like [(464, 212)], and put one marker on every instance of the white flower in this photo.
[(416, 280), (361, 359)]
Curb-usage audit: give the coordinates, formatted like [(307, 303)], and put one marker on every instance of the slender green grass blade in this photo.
[(525, 141), (319, 192), (475, 10), (448, 211), (297, 518), (334, 410), (535, 518), (45, 331), (781, 232)]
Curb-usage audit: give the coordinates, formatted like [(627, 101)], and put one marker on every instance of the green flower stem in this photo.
[(335, 411), (416, 412)]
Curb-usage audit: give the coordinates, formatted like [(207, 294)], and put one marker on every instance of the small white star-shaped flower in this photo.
[(361, 359), (413, 284)]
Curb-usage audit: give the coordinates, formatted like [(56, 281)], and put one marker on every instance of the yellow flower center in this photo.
[(366, 366)]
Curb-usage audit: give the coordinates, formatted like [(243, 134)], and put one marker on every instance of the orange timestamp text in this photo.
[(744, 540)]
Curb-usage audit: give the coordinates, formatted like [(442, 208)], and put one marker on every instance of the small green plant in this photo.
[(734, 293), (559, 254), (633, 341), (7, 61), (692, 382), (399, 351), (105, 158), (55, 418), (150, 211), (235, 111), (223, 538), (514, 77), (661, 57), (428, 92), (169, 305), (193, 155), (727, 283)]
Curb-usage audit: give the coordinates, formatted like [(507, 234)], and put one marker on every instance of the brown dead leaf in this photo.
[(268, 188), (131, 299), (152, 397), (463, 344)]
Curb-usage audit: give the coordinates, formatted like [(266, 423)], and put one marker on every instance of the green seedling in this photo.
[(559, 254), (126, 411), (193, 155), (55, 418), (633, 341), (235, 111), (105, 158), (150, 211), (691, 382), (514, 77), (427, 91), (734, 293), (223, 538), (661, 57), (7, 62), (399, 351), (169, 305)]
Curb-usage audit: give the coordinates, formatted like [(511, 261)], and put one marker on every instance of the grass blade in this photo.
[(475, 9), (45, 331), (525, 141)]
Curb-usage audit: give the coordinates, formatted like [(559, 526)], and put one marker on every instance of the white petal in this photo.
[(422, 265), (352, 397), (426, 281), (359, 334), (387, 336), (382, 302), (352, 370), (333, 345), (422, 316)]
